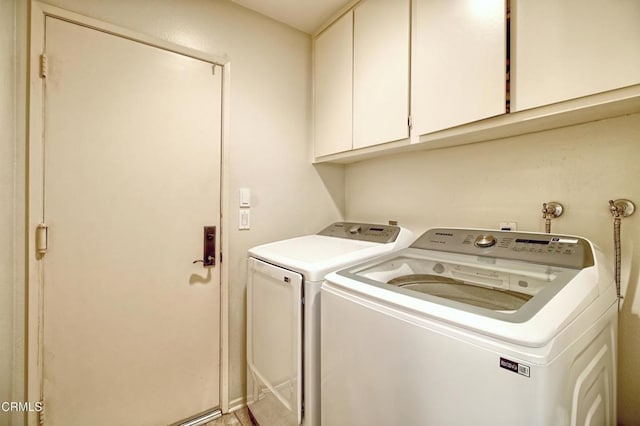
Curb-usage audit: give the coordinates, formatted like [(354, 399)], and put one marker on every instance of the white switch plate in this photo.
[(508, 226), (245, 197), (244, 220)]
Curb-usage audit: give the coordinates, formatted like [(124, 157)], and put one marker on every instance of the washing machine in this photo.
[(283, 314), (472, 327)]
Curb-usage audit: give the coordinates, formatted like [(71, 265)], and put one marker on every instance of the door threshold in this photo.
[(201, 419)]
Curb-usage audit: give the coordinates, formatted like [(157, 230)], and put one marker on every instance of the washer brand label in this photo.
[(521, 369)]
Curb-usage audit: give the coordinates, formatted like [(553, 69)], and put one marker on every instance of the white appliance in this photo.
[(283, 315), (472, 327)]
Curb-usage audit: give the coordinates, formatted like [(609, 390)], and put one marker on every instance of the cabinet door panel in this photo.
[(333, 77), (458, 62), (380, 72), (572, 48)]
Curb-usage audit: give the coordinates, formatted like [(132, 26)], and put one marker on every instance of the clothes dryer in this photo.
[(472, 327), (283, 314)]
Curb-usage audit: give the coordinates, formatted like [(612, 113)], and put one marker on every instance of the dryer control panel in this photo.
[(362, 231), (545, 249)]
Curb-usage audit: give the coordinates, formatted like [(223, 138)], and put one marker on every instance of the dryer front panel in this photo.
[(274, 339)]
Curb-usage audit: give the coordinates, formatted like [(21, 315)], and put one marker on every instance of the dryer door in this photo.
[(274, 339)]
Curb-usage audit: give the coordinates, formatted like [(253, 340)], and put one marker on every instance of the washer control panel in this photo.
[(362, 231), (547, 249)]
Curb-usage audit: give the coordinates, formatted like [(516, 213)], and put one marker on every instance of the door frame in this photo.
[(35, 189)]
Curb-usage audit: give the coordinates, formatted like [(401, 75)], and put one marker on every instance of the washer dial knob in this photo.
[(354, 229), (484, 241)]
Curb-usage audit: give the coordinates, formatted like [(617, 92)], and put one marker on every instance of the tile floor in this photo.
[(239, 418)]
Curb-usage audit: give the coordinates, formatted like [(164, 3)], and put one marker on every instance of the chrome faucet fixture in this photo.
[(551, 210)]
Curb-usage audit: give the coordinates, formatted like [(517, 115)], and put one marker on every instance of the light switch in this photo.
[(245, 197), (244, 221)]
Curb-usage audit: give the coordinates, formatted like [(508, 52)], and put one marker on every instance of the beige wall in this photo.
[(7, 198), (269, 129), (483, 184)]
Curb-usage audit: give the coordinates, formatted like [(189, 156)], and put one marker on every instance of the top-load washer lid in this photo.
[(502, 275), (337, 246)]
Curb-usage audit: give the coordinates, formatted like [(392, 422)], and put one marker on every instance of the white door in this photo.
[(132, 174), (458, 63), (568, 49), (380, 72), (333, 84), (274, 344)]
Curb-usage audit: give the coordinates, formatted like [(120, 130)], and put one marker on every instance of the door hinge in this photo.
[(43, 66), (42, 239), (213, 69), (409, 122)]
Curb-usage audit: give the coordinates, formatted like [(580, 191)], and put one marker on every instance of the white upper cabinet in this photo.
[(443, 63), (458, 62), (333, 79), (572, 48), (380, 72)]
